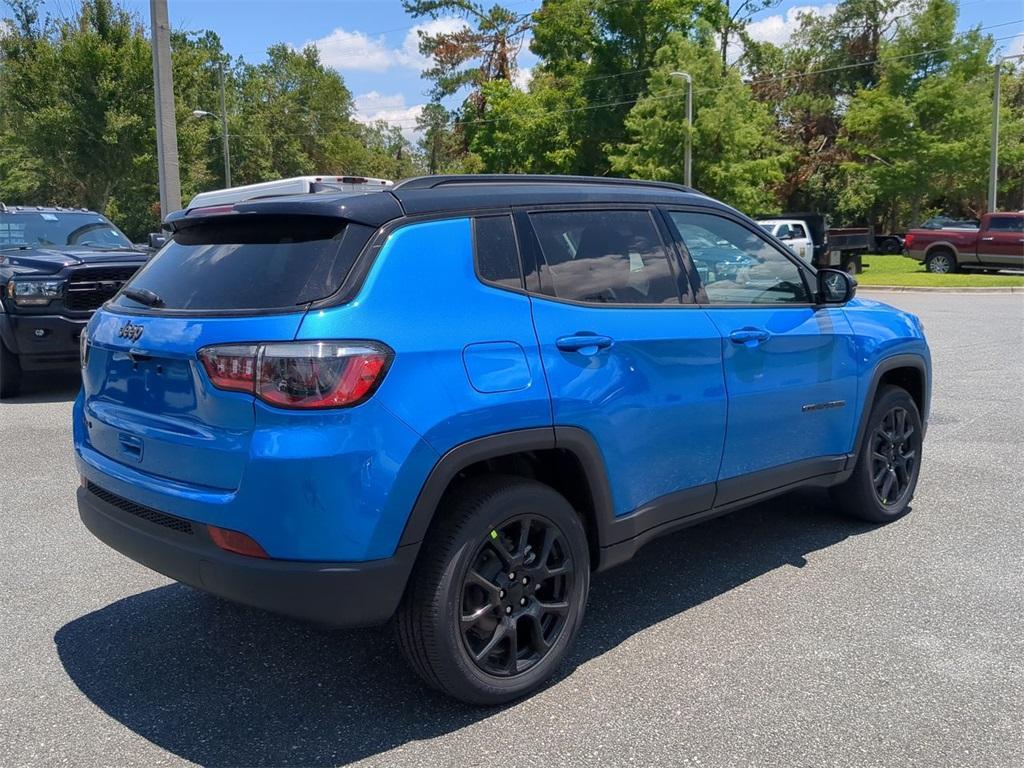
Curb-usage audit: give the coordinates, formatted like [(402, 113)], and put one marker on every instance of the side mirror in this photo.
[(835, 286), (157, 240)]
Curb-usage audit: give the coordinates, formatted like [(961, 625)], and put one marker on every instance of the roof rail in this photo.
[(432, 182)]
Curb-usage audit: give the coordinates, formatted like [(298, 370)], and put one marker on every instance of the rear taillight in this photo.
[(231, 366), (300, 374), (908, 240)]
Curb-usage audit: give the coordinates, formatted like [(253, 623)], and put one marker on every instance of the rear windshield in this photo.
[(274, 262)]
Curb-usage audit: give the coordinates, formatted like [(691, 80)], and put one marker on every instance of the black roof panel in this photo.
[(444, 194)]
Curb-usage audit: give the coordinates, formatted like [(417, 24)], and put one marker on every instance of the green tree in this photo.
[(921, 135), (737, 155), (608, 48), (527, 132)]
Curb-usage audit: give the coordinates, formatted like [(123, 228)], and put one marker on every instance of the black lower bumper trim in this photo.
[(341, 594), (44, 342)]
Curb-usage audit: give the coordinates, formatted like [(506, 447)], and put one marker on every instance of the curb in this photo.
[(927, 289)]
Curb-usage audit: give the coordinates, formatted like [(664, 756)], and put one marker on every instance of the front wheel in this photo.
[(499, 591), (889, 462)]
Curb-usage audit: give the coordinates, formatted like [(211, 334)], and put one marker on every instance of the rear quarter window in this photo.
[(274, 262)]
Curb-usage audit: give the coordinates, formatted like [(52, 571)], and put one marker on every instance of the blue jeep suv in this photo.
[(452, 401)]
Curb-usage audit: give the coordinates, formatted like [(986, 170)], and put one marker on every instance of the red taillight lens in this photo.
[(319, 374), (233, 541), (231, 366), (908, 240), (303, 374)]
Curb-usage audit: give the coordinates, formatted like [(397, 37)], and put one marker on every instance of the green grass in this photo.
[(900, 270)]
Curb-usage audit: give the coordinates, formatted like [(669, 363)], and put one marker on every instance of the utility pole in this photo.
[(993, 165), (224, 130), (687, 158), (166, 126)]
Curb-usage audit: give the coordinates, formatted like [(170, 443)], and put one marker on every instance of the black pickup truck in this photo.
[(57, 265)]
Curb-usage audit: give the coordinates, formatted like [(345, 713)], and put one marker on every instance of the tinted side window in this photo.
[(1007, 223), (604, 257), (497, 257), (735, 265), (798, 231)]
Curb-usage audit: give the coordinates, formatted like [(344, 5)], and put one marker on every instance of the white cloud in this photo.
[(523, 77), (354, 50), (1016, 46), (409, 55), (778, 28), (373, 106)]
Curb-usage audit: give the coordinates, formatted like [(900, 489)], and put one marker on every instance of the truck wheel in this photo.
[(889, 462), (10, 373), (941, 262), (498, 593), (891, 245)]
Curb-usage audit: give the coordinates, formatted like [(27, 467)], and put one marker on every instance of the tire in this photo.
[(891, 245), (10, 373), (479, 519), (941, 262), (865, 494)]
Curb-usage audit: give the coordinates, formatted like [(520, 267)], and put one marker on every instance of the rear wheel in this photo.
[(885, 476), (499, 591), (941, 262), (10, 373)]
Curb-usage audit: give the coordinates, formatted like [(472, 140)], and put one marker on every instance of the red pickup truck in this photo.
[(997, 244)]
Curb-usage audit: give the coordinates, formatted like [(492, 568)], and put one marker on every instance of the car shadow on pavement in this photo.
[(47, 387), (224, 685)]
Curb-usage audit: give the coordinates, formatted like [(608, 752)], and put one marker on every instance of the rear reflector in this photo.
[(233, 541), (300, 374)]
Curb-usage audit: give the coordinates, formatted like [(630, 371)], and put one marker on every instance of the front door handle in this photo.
[(584, 343), (988, 238), (749, 336)]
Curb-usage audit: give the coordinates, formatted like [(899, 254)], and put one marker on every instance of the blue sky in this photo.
[(373, 42)]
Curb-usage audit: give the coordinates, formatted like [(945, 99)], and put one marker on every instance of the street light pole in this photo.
[(166, 127), (687, 158), (993, 165), (224, 131)]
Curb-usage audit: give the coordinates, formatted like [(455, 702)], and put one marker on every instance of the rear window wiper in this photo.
[(144, 296)]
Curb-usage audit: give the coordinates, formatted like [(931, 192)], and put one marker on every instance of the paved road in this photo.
[(782, 635)]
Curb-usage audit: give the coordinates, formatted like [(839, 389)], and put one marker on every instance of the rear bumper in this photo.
[(341, 594), (43, 342)]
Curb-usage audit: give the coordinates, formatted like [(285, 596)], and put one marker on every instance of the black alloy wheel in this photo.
[(499, 590), (515, 595), (884, 479), (893, 457)]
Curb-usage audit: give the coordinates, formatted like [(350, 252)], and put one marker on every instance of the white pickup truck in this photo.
[(793, 233)]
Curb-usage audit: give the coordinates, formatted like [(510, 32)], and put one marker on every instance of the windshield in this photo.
[(48, 229)]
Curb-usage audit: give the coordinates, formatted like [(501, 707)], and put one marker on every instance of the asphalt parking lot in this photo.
[(781, 635)]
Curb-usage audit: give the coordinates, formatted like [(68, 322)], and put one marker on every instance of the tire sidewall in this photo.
[(950, 259), (890, 398), (489, 688)]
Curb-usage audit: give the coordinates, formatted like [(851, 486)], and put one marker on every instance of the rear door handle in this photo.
[(584, 343), (750, 336), (988, 238)]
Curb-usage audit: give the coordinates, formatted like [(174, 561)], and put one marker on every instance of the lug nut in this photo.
[(522, 601), (501, 593), (508, 609), (526, 580), (511, 577)]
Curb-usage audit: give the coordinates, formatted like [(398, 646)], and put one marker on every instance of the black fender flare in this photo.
[(906, 360), (577, 441)]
